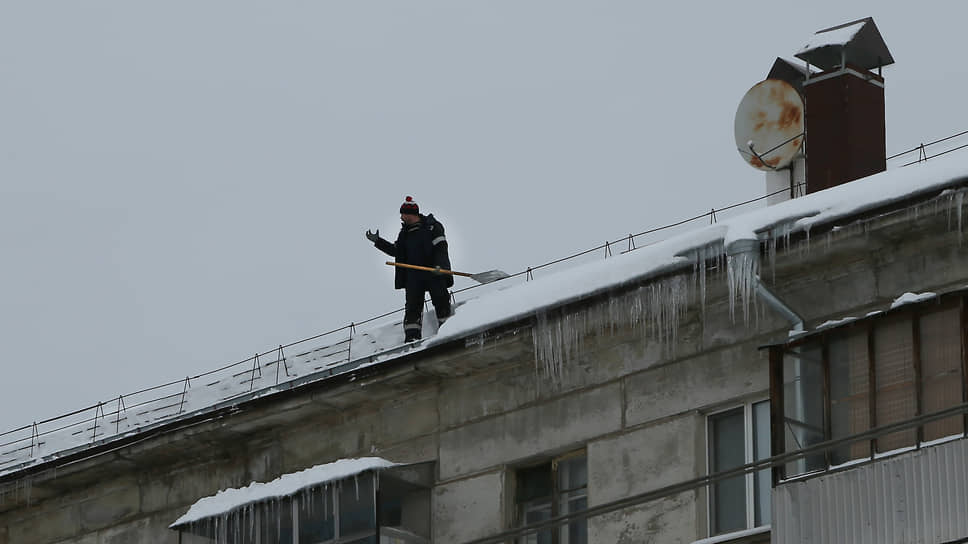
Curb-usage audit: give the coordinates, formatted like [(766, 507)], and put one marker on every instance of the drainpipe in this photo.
[(750, 249)]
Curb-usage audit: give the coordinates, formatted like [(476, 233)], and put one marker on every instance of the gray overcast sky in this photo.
[(185, 183)]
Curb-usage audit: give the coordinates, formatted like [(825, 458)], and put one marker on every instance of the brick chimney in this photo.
[(844, 104)]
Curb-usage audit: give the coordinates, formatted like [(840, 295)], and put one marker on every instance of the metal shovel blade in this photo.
[(489, 276)]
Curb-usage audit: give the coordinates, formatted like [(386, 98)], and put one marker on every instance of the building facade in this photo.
[(794, 374)]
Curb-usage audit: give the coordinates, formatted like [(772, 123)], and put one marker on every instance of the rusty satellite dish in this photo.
[(769, 125)]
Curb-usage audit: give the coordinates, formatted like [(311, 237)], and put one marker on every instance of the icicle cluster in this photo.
[(708, 256), (956, 200), (264, 521), (656, 308), (742, 272)]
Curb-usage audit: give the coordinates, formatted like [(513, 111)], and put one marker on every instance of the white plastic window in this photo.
[(736, 437)]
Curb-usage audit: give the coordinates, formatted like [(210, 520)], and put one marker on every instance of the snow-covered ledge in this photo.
[(227, 500), (737, 536)]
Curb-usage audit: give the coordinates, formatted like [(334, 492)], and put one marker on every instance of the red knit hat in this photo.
[(409, 207)]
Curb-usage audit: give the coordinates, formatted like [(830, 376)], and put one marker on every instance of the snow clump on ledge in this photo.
[(227, 500), (911, 298)]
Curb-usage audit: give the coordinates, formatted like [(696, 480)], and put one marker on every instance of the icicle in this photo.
[(771, 250), (742, 271), (703, 256), (558, 337), (556, 341), (252, 514), (959, 202)]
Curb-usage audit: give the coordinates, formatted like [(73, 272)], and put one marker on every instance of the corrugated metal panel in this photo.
[(920, 496)]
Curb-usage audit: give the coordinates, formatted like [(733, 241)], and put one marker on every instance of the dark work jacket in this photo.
[(422, 244)]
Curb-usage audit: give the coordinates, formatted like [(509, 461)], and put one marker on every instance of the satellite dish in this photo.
[(769, 125)]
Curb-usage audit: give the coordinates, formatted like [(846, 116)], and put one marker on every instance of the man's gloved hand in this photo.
[(437, 271), (373, 236)]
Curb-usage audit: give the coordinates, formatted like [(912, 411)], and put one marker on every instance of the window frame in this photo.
[(556, 496), (749, 479), (868, 326)]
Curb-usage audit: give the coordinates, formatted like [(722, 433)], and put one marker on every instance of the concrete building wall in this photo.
[(637, 407)]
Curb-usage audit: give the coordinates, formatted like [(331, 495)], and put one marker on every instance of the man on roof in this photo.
[(421, 242)]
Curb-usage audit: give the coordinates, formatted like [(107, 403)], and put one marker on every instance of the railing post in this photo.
[(117, 426), (608, 250), (34, 434), (281, 358), (349, 345), (98, 410), (255, 366), (631, 242), (188, 384)]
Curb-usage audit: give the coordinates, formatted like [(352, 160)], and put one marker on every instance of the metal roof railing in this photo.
[(129, 412)]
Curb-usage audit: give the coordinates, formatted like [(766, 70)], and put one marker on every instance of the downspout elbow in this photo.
[(781, 307), (750, 249)]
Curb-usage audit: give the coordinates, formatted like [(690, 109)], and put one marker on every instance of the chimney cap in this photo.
[(791, 71), (858, 42)]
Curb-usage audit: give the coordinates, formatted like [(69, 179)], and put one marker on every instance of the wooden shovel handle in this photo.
[(428, 269)]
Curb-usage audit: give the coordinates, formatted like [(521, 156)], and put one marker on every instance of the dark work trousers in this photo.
[(412, 322)]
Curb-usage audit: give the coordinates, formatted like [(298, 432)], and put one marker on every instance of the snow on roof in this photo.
[(377, 343), (228, 500), (836, 36), (800, 214), (903, 300)]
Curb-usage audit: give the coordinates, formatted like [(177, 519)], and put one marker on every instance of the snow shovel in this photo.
[(481, 277)]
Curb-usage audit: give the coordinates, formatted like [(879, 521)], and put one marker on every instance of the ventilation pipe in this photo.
[(747, 251)]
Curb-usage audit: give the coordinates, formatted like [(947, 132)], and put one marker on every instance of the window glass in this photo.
[(404, 508), (356, 506), (849, 393), (534, 483), (533, 513), (803, 406), (573, 497), (317, 520), (274, 524), (941, 381), (534, 492), (728, 450), (894, 377), (550, 490)]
